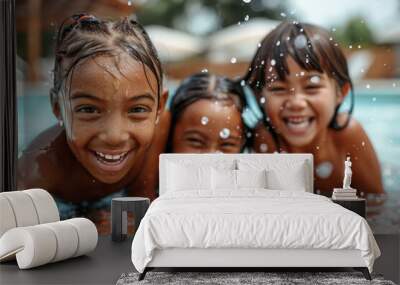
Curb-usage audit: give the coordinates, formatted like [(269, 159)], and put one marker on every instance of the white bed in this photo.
[(198, 223)]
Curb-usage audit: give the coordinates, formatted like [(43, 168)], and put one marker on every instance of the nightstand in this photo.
[(119, 214), (356, 205)]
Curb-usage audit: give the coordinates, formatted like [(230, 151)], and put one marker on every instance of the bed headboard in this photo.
[(212, 159)]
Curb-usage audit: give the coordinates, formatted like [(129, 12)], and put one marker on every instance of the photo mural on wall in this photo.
[(113, 106)]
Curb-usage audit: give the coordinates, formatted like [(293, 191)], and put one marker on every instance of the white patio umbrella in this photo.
[(239, 41), (174, 45)]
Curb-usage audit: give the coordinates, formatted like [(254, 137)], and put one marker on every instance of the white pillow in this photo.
[(223, 179), (282, 174), (182, 177), (292, 179), (251, 178)]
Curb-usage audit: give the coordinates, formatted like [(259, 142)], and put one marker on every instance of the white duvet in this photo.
[(253, 218)]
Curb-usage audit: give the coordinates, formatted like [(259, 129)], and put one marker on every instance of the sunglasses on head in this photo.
[(75, 20)]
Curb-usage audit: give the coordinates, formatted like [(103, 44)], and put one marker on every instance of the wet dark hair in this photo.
[(205, 86), (312, 47), (82, 36)]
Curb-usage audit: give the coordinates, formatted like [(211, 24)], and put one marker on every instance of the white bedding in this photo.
[(252, 218)]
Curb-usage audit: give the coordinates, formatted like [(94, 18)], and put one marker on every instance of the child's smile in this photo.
[(110, 115), (298, 125), (301, 106)]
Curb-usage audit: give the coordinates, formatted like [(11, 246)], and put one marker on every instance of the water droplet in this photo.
[(204, 120), (324, 169), (273, 62), (263, 147), (278, 43), (363, 143), (205, 70), (368, 86), (281, 54), (262, 100), (246, 1), (248, 134), (315, 79), (317, 147), (129, 3), (233, 60), (301, 73), (394, 84), (242, 83), (333, 29), (359, 46), (262, 62), (331, 39), (283, 15), (259, 45), (350, 46), (373, 99), (246, 18), (224, 133), (300, 41)]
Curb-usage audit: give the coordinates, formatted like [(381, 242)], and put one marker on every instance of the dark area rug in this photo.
[(228, 278)]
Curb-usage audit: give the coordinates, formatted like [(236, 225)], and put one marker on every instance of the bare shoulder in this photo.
[(354, 141), (38, 164), (353, 133)]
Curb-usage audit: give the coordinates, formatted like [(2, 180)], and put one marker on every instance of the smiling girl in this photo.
[(206, 116), (107, 98), (300, 77)]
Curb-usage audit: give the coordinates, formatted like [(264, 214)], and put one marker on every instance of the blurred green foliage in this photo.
[(355, 32), (228, 12)]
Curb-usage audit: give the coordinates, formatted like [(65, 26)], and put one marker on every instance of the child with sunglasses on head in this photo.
[(107, 96), (300, 78)]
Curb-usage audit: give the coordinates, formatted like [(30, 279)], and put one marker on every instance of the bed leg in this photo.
[(364, 271), (143, 274)]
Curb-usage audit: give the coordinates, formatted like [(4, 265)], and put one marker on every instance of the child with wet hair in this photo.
[(206, 116), (300, 77), (107, 97)]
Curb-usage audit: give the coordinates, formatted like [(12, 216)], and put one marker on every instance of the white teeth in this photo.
[(296, 120), (298, 125), (111, 157)]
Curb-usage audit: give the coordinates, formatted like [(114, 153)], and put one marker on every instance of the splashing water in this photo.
[(300, 41), (224, 133), (204, 120), (315, 79), (263, 147), (324, 169), (233, 60), (246, 18)]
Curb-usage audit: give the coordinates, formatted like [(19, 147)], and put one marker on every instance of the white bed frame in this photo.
[(249, 257)]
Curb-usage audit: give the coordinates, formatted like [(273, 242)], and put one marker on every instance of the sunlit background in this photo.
[(221, 37)]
